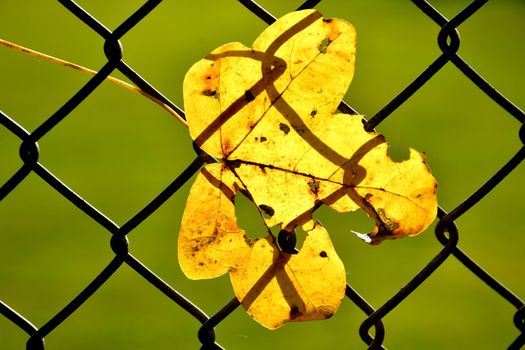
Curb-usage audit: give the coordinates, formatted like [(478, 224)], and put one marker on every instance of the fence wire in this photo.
[(446, 231)]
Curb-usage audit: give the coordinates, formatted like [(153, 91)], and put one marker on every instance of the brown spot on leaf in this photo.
[(323, 254), (263, 139), (267, 210), (284, 128), (313, 112), (209, 92)]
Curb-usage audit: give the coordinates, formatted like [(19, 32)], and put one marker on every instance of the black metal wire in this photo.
[(163, 196), (36, 339), (368, 310), (205, 334), (447, 233)]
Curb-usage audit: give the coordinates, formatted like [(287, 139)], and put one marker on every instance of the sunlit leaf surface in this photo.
[(268, 113)]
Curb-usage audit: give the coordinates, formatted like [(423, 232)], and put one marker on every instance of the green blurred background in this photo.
[(118, 150)]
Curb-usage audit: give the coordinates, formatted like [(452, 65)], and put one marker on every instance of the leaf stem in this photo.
[(91, 72)]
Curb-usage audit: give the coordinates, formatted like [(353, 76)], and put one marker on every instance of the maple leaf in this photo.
[(268, 113)]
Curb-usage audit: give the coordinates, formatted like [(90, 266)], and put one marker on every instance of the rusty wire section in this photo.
[(446, 231)]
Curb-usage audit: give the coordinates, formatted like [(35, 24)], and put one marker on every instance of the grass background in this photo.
[(118, 150)]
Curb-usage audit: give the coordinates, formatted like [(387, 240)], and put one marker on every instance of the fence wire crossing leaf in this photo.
[(446, 231)]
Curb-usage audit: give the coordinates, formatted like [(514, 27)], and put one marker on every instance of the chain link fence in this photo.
[(372, 329)]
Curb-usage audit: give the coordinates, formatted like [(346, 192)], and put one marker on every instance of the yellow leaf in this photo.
[(277, 287), (268, 112)]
